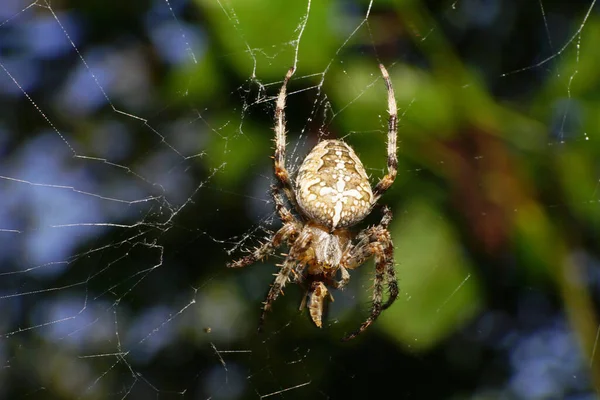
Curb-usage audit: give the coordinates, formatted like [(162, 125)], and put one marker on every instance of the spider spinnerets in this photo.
[(331, 194)]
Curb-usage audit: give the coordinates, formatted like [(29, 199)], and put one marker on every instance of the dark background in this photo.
[(134, 164)]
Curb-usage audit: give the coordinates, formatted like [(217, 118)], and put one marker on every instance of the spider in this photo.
[(331, 193)]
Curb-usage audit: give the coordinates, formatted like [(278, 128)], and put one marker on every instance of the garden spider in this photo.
[(331, 194)]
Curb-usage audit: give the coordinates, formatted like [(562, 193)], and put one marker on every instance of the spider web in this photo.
[(134, 163)]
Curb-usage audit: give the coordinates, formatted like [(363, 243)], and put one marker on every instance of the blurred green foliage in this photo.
[(497, 166), (500, 168), (511, 182)]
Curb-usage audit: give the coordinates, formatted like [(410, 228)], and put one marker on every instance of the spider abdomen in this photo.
[(332, 187)]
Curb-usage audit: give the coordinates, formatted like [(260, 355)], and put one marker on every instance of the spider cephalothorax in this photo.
[(331, 193)]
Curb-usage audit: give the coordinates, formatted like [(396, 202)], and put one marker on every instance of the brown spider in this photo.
[(331, 194)]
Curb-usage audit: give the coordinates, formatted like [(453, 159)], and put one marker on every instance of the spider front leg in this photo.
[(392, 159), (284, 213), (279, 158)]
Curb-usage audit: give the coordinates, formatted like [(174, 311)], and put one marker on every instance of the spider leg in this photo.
[(284, 213), (377, 307), (291, 227), (386, 217), (376, 241), (283, 276), (361, 251), (279, 158), (281, 279), (286, 232), (390, 270), (392, 160), (390, 275)]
